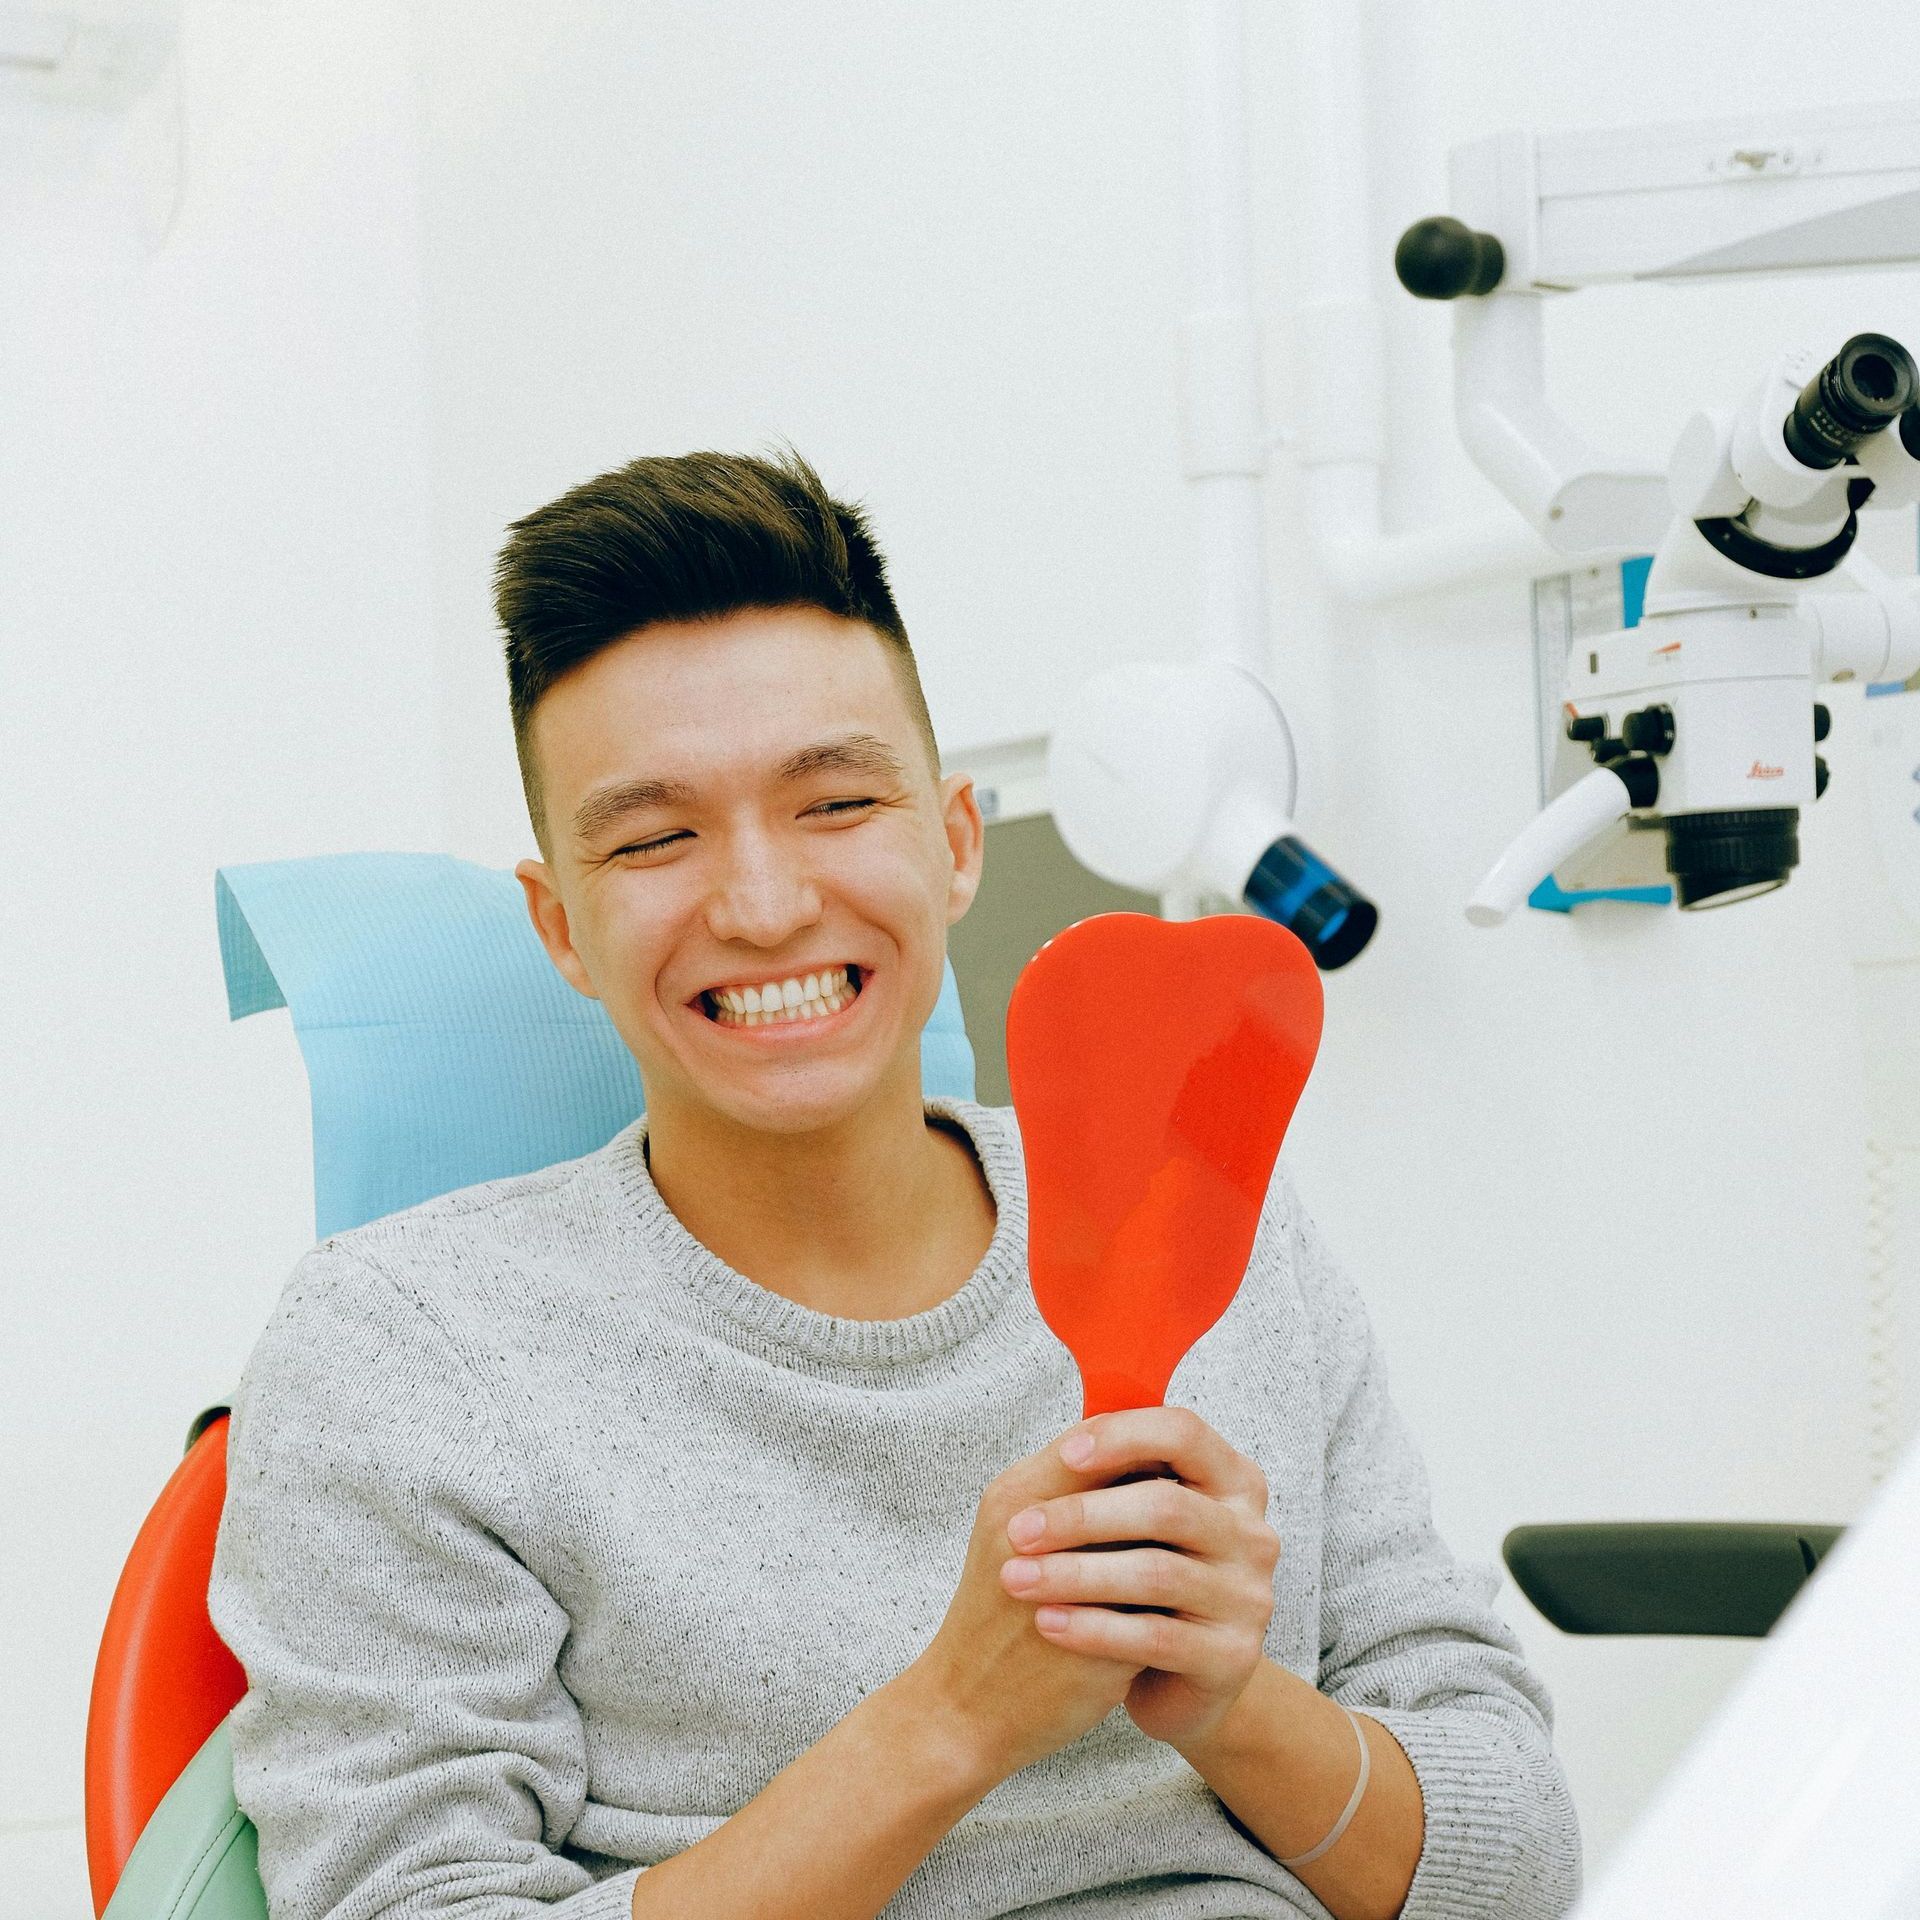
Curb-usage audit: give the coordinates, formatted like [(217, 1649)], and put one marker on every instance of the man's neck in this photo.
[(883, 1217)]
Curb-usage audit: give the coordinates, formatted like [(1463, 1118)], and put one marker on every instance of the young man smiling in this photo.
[(692, 1528)]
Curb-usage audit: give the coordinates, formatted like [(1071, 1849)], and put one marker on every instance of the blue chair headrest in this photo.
[(441, 1046)]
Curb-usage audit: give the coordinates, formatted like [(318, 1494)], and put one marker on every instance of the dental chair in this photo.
[(441, 1049)]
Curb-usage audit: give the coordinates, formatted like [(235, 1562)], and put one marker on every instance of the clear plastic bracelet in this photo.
[(1353, 1804)]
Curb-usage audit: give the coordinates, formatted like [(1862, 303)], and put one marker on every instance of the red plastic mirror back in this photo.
[(1154, 1067)]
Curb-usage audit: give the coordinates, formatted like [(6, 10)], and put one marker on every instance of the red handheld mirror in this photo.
[(1154, 1067)]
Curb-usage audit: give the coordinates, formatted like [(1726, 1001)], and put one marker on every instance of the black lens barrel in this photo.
[(1869, 382), (1717, 858), (1293, 885)]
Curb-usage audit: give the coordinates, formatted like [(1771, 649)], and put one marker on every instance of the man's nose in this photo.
[(762, 896)]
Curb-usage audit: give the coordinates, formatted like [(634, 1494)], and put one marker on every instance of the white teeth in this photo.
[(808, 997)]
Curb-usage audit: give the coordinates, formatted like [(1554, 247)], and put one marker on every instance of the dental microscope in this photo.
[(1691, 740), (1702, 721)]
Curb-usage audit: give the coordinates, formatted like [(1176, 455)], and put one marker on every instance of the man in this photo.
[(692, 1528)]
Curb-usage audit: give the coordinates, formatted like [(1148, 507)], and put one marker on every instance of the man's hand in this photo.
[(1205, 1552)]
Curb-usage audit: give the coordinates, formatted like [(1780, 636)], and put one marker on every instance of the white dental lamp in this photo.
[(1181, 780), (1702, 720)]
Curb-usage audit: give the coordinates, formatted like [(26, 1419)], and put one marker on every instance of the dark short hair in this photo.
[(694, 536)]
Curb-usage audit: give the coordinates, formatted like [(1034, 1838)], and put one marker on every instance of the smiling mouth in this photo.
[(789, 1002)]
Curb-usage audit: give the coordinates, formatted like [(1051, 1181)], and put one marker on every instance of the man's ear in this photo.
[(966, 841), (549, 915)]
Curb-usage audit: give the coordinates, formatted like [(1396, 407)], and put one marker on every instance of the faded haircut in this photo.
[(681, 538)]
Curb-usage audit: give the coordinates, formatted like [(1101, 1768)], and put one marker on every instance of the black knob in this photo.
[(1649, 731), (1819, 776), (1442, 258), (1589, 727), (1640, 777), (1822, 722), (1606, 750)]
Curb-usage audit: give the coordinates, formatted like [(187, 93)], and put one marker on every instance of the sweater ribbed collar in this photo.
[(772, 1322)]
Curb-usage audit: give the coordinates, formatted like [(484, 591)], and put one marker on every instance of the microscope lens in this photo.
[(1720, 857)]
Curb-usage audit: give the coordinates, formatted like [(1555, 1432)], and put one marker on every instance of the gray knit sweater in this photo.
[(494, 1457)]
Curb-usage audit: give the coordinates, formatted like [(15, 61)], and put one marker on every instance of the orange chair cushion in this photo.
[(164, 1679)]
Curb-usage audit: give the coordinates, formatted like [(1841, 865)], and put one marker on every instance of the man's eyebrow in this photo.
[(851, 753), (601, 808)]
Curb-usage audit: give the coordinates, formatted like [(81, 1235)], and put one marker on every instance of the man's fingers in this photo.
[(1141, 1437), (1162, 1511), (1141, 1577), (1158, 1640)]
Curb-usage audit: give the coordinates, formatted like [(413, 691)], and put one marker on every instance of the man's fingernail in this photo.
[(1078, 1450)]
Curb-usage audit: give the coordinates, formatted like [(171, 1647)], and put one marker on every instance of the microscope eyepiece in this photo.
[(1869, 382)]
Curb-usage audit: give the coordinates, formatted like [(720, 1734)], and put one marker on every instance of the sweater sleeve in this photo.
[(1409, 1637), (405, 1746)]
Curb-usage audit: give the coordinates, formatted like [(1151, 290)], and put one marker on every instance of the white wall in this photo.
[(216, 649), (934, 245), (1600, 1179)]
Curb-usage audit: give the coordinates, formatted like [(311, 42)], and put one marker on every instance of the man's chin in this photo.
[(791, 1100)]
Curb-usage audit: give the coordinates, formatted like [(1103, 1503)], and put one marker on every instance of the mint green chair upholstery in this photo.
[(196, 1858)]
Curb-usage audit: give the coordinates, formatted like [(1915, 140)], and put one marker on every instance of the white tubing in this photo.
[(1224, 431), (1343, 423), (1232, 616), (1336, 231), (1342, 428), (1371, 568), (1524, 447), (1219, 226), (1588, 806)]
